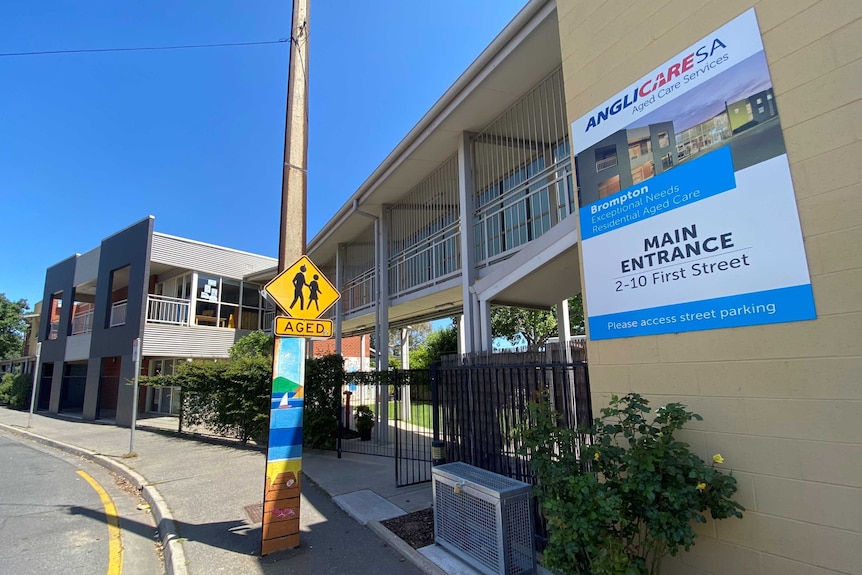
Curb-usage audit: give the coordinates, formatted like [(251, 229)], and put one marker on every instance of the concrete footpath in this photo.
[(206, 499)]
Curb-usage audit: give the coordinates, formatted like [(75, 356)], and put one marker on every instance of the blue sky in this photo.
[(90, 143)]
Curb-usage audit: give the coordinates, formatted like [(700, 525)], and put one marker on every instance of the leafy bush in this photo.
[(324, 378), (230, 398), (255, 344), (619, 505), (15, 390)]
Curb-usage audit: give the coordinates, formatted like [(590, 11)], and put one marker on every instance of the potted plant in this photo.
[(364, 421)]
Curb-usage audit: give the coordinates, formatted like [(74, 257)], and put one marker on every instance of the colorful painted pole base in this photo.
[(284, 453)]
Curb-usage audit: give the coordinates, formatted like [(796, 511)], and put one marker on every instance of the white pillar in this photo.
[(382, 245), (339, 306), (471, 333), (486, 340), (564, 331)]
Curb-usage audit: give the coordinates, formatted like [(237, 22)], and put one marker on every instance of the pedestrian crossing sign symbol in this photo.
[(302, 291)]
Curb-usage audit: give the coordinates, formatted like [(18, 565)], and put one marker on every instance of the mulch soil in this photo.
[(416, 529)]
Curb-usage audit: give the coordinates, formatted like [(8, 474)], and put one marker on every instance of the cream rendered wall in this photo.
[(782, 403)]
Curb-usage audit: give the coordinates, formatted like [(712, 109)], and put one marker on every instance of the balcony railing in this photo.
[(118, 313), (268, 318), (358, 293), (82, 323), (170, 310), (434, 260), (522, 214), (606, 163)]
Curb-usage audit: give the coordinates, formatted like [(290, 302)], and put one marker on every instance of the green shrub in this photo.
[(6, 387), (619, 505), (324, 378), (15, 390), (231, 398)]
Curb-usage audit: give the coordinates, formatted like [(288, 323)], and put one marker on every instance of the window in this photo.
[(119, 286), (609, 186), (663, 140), (54, 320), (165, 400), (643, 172), (251, 307), (606, 158), (667, 161), (206, 310), (640, 148), (223, 302)]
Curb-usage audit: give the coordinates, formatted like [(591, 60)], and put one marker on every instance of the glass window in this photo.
[(609, 186), (663, 140), (54, 320), (230, 291), (250, 294)]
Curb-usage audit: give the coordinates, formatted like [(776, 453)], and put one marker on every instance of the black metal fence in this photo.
[(574, 350), (481, 406)]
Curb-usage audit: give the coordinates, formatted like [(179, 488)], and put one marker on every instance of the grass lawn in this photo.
[(420, 413)]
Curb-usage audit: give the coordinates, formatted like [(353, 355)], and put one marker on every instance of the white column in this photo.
[(564, 331), (382, 244), (339, 284), (471, 332), (486, 339)]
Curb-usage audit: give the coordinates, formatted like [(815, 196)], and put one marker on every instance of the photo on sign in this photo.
[(687, 215), (736, 109)]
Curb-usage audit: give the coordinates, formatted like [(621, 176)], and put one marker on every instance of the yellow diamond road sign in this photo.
[(302, 291)]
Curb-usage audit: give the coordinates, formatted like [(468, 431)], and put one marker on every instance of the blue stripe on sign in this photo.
[(284, 452), (284, 437), (771, 306), (285, 418), (685, 184)]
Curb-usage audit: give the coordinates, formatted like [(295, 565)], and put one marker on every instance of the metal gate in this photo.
[(401, 403), (414, 430)]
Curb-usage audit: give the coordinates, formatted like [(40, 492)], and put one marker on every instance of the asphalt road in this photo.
[(53, 521)]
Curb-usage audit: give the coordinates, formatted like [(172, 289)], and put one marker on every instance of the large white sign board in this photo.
[(688, 217)]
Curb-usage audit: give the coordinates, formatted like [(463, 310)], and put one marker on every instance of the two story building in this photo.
[(181, 298)]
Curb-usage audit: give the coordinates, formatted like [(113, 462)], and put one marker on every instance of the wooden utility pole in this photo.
[(294, 184), (281, 498)]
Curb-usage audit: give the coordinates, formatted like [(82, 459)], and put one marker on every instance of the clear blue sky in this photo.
[(90, 143)]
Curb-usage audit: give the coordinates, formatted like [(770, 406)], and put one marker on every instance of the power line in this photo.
[(143, 49)]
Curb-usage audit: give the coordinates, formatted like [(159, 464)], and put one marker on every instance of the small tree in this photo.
[(255, 344), (12, 327), (437, 344), (619, 505), (536, 326), (576, 314), (324, 378), (15, 390)]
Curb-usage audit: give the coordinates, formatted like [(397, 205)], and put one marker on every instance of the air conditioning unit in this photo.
[(484, 518)]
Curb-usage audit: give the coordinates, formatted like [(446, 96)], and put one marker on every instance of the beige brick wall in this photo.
[(782, 403)]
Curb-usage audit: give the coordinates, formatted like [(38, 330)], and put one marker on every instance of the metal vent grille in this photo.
[(484, 518)]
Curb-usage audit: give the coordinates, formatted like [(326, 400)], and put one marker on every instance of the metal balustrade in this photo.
[(118, 313), (82, 322), (170, 310), (522, 173)]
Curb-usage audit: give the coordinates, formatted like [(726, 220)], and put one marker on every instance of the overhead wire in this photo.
[(145, 48)]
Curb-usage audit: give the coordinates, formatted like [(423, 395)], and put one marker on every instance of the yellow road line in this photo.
[(115, 546)]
